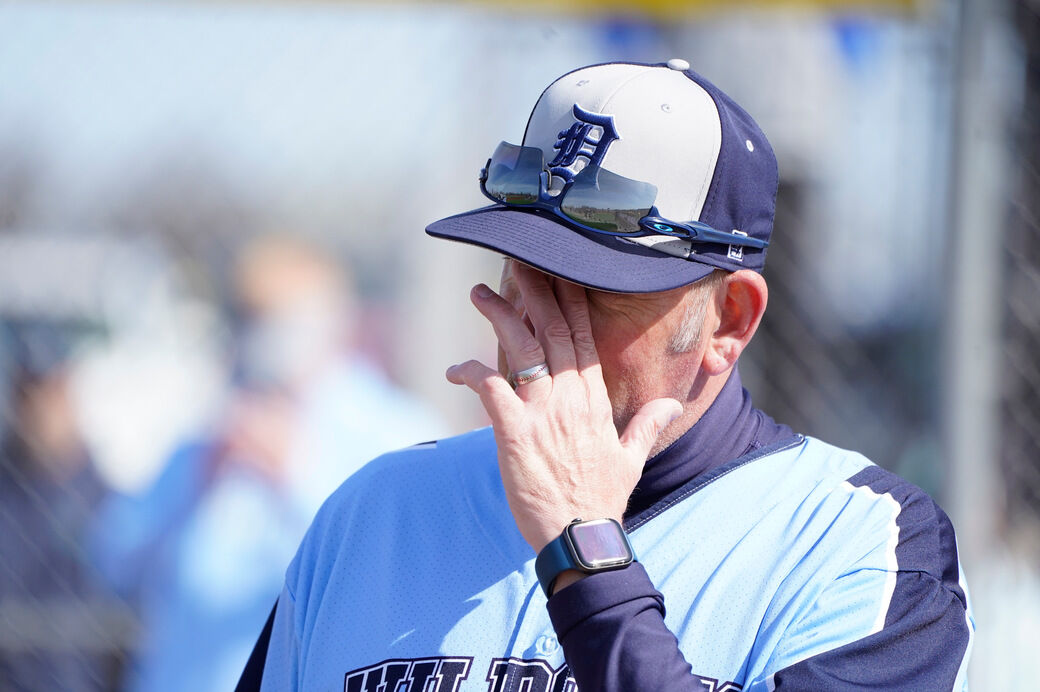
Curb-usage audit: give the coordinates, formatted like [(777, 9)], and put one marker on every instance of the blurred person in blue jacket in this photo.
[(56, 627), (204, 551)]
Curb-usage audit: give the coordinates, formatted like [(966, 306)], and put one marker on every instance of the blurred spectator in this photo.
[(203, 552), (55, 631)]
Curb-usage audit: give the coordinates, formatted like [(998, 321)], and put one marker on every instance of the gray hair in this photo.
[(688, 336)]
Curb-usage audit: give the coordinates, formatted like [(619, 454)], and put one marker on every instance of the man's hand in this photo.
[(559, 453)]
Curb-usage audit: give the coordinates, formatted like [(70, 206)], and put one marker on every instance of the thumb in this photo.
[(647, 424)]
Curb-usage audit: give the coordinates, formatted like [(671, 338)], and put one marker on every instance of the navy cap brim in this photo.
[(595, 260)]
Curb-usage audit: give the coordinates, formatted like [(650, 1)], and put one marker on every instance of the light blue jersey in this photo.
[(414, 577)]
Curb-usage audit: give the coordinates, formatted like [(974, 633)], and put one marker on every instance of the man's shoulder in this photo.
[(416, 466), (920, 531), (417, 480), (832, 486), (855, 470), (400, 515)]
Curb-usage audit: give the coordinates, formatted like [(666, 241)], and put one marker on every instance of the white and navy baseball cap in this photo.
[(660, 124)]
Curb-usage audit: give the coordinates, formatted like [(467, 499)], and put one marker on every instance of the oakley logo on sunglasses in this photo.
[(581, 139)]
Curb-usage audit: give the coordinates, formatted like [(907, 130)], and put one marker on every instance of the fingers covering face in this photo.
[(559, 311), (574, 305), (520, 346), (550, 325), (540, 319)]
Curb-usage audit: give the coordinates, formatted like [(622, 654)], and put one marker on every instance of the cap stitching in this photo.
[(625, 83), (719, 163)]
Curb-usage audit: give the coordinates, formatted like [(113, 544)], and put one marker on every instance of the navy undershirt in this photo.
[(730, 428), (621, 611)]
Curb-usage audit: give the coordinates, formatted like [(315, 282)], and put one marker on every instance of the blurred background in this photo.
[(217, 301)]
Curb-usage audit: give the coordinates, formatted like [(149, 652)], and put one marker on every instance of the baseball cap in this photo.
[(661, 124)]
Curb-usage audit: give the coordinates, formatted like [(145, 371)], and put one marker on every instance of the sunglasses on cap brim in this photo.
[(594, 200)]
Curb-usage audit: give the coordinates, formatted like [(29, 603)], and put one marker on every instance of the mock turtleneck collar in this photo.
[(730, 428)]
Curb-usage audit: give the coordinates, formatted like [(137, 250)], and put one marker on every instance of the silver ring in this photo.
[(529, 375)]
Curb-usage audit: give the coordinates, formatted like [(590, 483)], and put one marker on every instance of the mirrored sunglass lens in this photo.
[(608, 202), (513, 174)]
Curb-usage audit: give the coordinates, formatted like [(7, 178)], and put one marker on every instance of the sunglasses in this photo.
[(594, 200)]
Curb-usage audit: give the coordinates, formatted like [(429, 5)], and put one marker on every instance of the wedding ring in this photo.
[(531, 374)]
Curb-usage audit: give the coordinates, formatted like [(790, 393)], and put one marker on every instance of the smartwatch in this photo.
[(598, 545)]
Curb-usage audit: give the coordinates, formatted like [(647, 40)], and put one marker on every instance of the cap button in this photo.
[(678, 64)]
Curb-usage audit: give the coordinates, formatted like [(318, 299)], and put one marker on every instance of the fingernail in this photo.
[(483, 291)]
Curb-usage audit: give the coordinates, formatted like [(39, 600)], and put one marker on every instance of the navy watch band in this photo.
[(567, 550), (554, 559)]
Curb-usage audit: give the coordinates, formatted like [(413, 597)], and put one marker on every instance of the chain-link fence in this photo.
[(1020, 385), (144, 151)]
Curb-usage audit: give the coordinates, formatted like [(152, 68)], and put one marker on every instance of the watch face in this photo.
[(599, 543)]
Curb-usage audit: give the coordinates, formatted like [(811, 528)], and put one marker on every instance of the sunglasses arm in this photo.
[(698, 232)]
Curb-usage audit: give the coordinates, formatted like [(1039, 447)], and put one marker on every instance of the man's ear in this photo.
[(739, 303)]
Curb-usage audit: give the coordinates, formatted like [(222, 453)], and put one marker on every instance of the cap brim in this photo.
[(596, 260)]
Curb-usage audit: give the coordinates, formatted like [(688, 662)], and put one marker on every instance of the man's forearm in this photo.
[(611, 626)]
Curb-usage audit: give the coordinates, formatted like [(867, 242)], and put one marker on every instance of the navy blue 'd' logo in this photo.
[(581, 139)]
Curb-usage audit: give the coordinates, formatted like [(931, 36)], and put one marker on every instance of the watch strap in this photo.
[(554, 559)]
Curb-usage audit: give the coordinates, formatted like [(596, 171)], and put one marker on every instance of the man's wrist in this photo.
[(584, 547)]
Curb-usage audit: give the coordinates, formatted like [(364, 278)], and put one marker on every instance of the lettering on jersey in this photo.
[(443, 674), (588, 138), (713, 685), (529, 675), (438, 674)]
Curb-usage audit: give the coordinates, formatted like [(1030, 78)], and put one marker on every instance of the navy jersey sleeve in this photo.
[(921, 646), (611, 626), (614, 636), (923, 635)]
